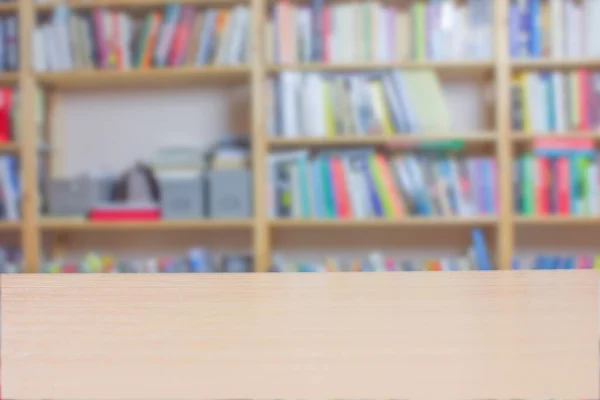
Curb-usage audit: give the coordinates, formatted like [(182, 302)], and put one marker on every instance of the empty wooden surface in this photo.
[(504, 334)]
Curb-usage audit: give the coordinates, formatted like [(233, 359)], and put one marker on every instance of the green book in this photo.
[(143, 41), (582, 168), (327, 188), (528, 184), (419, 9)]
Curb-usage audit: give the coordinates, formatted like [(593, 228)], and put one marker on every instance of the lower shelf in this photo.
[(66, 224)]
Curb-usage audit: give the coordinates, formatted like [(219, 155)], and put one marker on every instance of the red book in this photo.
[(5, 109), (564, 186), (326, 34), (340, 188), (542, 194), (562, 143), (181, 36), (124, 214), (583, 80)]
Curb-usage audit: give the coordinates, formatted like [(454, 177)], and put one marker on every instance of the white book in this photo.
[(559, 100), (557, 25), (382, 41), (39, 54), (60, 23), (308, 114), (290, 86), (125, 45), (236, 49), (304, 31), (51, 51), (574, 26), (354, 182), (225, 41)]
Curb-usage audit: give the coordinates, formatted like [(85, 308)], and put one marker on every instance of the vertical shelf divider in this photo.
[(261, 233), (30, 235), (505, 227)]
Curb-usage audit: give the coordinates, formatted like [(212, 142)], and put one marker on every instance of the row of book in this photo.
[(556, 101), (366, 184), (476, 258), (558, 178), (108, 39), (383, 103), (554, 28), (197, 260), (374, 32), (554, 261)]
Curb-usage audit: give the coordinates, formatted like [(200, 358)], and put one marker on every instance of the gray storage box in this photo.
[(75, 196), (230, 193), (182, 197)]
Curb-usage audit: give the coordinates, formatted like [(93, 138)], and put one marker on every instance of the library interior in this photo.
[(168, 136)]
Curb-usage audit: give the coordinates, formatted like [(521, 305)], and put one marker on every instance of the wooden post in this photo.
[(505, 229), (261, 232), (28, 136)]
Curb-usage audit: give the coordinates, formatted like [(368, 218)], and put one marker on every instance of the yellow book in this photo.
[(386, 201), (328, 104), (573, 100), (380, 107), (520, 81), (597, 262)]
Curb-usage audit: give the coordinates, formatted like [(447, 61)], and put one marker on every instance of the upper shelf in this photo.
[(450, 69), (555, 63), (127, 5), (96, 79)]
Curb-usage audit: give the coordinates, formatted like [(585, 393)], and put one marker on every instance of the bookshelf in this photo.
[(499, 140)]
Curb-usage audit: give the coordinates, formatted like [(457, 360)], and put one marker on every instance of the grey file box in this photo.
[(182, 197), (75, 196), (230, 193)]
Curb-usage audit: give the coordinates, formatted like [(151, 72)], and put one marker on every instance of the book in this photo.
[(389, 103), (178, 36), (371, 31), (195, 260), (554, 29), (476, 257), (555, 102), (557, 182), (359, 184)]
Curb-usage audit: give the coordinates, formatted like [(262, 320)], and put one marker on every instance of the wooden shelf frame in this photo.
[(500, 139)]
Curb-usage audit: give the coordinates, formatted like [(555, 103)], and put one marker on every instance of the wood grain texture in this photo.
[(502, 334)]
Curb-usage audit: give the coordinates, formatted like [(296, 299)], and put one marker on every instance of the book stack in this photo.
[(560, 177), (107, 39), (366, 184), (554, 261), (554, 28), (556, 101), (477, 258), (9, 43), (197, 260), (375, 32), (328, 105)]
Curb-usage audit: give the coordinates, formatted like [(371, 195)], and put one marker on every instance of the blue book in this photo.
[(482, 257), (514, 19), (317, 186), (316, 28), (516, 263), (574, 193), (570, 264), (535, 30), (207, 41), (172, 12), (376, 205)]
